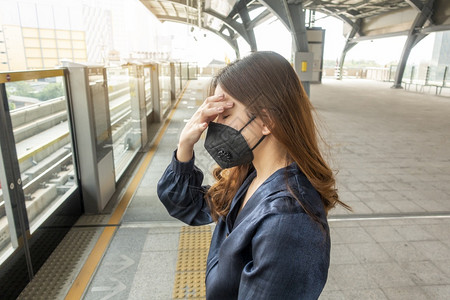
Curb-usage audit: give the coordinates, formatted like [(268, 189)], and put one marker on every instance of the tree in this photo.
[(20, 88), (51, 91)]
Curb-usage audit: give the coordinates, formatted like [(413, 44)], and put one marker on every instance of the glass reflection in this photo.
[(177, 79), (193, 72), (148, 90), (126, 132), (164, 86), (184, 73), (5, 237), (39, 117)]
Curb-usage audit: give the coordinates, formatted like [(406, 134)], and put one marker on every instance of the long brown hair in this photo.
[(270, 89)]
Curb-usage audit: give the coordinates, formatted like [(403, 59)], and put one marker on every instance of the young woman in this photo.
[(273, 189)]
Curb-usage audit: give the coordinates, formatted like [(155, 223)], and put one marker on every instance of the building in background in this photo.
[(37, 34), (441, 49), (40, 36)]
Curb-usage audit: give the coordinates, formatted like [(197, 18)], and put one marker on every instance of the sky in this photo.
[(273, 36), (203, 46)]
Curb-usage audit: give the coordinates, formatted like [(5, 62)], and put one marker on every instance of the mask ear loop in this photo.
[(260, 140), (251, 120)]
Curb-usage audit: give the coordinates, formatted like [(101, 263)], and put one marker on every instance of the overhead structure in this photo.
[(228, 19), (372, 19), (364, 19)]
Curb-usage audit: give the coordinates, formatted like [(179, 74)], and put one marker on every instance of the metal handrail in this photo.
[(29, 75)]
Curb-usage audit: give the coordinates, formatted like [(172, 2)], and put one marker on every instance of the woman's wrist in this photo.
[(185, 152)]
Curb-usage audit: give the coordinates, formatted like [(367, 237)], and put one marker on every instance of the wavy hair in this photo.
[(268, 86)]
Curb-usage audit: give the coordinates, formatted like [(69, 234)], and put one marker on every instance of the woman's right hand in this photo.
[(207, 112)]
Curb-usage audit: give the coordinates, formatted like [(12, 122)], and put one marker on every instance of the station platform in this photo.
[(391, 150)]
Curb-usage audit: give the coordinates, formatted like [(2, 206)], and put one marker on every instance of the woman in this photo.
[(273, 189)]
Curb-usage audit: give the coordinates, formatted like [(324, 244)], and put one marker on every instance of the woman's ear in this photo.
[(267, 123), (265, 129)]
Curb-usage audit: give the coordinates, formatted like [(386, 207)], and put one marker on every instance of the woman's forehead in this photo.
[(220, 91)]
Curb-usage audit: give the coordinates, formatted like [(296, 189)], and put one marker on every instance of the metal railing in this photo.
[(419, 77), (38, 127)]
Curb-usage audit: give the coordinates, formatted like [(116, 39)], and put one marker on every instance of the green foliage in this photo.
[(51, 91), (20, 88), (24, 89), (12, 106)]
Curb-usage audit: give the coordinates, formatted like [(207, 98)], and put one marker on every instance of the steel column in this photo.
[(349, 44), (296, 18), (414, 37), (291, 14)]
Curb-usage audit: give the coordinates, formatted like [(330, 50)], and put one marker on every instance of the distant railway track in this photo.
[(44, 148)]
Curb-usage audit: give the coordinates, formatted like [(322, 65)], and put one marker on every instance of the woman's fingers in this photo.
[(209, 111), (215, 98)]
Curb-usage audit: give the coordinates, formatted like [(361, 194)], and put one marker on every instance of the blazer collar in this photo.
[(272, 185)]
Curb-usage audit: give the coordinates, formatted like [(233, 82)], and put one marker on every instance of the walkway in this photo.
[(392, 151)]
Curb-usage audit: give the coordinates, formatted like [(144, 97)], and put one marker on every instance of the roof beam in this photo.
[(261, 18), (243, 13), (162, 7), (416, 4), (435, 28), (227, 39), (239, 28), (175, 9)]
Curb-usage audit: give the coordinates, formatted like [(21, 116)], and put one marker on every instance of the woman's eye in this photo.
[(224, 117)]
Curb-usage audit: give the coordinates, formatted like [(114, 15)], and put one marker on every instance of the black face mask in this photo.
[(227, 146)]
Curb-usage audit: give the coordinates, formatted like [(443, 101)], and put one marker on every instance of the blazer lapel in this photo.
[(236, 203)]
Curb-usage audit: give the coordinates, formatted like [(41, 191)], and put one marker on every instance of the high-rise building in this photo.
[(36, 34), (40, 35), (441, 49)]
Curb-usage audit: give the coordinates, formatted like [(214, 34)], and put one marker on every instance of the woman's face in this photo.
[(237, 117)]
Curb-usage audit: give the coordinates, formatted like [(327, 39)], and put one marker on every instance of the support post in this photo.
[(414, 37), (348, 45), (292, 16), (296, 19)]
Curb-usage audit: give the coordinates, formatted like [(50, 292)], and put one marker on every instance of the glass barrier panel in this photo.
[(101, 114), (39, 117), (164, 86), (193, 74), (177, 79), (184, 73), (436, 74), (5, 235), (125, 138), (407, 75), (415, 73), (148, 90), (421, 74), (392, 71)]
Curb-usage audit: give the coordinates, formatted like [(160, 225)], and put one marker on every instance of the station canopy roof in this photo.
[(379, 17)]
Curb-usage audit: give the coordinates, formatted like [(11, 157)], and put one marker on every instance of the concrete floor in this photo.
[(391, 148)]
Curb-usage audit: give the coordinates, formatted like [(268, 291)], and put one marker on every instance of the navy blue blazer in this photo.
[(270, 250)]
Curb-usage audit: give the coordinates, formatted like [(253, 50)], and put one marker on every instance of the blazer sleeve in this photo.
[(181, 192), (290, 259)]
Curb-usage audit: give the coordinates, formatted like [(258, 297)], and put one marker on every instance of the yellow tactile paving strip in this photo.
[(81, 282), (193, 250)]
